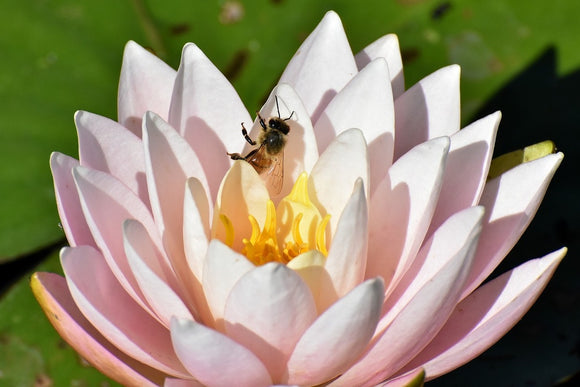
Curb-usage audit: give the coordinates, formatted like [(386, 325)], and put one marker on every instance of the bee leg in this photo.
[(236, 156), (245, 134), (262, 122)]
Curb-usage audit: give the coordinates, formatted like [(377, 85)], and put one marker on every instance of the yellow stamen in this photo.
[(293, 228)]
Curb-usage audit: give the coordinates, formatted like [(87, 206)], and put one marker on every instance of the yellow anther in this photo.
[(296, 229), (229, 230)]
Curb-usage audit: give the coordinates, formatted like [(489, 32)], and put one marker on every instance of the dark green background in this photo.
[(64, 55)]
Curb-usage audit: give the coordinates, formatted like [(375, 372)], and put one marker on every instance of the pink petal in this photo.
[(423, 307), (169, 162), (385, 47), (346, 157), (486, 315), (338, 336), (402, 207), (169, 382), (159, 289), (53, 295), (189, 269), (146, 84), (346, 261), (68, 203), (310, 267), (106, 204), (366, 103), (107, 146), (322, 65), (124, 323), (215, 359), (206, 110), (300, 152), (427, 110), (223, 268), (267, 311), (511, 200), (466, 169)]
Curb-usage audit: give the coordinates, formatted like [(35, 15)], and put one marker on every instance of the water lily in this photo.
[(186, 268)]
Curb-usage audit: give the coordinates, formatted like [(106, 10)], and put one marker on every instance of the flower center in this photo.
[(293, 228)]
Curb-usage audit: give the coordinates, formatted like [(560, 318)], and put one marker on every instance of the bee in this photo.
[(268, 158)]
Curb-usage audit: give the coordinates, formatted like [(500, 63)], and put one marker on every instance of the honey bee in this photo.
[(268, 158)]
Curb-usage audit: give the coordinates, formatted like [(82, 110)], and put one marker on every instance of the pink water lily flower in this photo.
[(186, 268)]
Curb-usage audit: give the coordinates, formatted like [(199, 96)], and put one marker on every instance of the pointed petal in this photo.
[(206, 110), (196, 215), (242, 193), (366, 103), (346, 261), (385, 47), (511, 201), (486, 315), (107, 146), (424, 306), (159, 290), (402, 207), (466, 169), (347, 158), (146, 84), (223, 268), (338, 336), (123, 322), (54, 297), (322, 65), (301, 151), (68, 203), (267, 311), (215, 359), (427, 110), (106, 204), (169, 162)]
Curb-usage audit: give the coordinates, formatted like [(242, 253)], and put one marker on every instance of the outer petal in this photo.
[(206, 110), (511, 201), (346, 157), (107, 203), (223, 268), (402, 207), (421, 309), (322, 65), (68, 203), (107, 146), (160, 290), (486, 315), (414, 378), (146, 84), (196, 215), (366, 102), (385, 47), (123, 322), (427, 110), (214, 359), (267, 311), (346, 261), (466, 168), (170, 161), (170, 382), (338, 336), (53, 295), (300, 152)]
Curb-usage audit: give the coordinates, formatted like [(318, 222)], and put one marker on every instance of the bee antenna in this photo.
[(277, 107), (290, 116)]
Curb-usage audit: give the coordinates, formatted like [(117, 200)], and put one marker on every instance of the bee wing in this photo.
[(275, 175)]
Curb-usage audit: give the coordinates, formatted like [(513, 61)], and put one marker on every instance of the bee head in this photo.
[(278, 124)]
